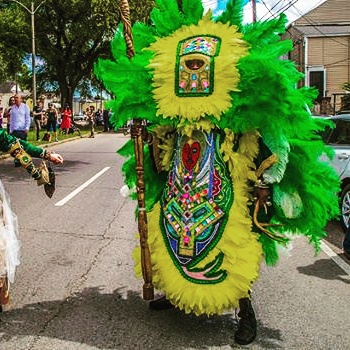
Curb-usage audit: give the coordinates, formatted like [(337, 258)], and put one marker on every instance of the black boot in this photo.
[(160, 304), (246, 331)]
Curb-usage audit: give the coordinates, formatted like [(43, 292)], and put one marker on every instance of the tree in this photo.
[(346, 86), (14, 42), (70, 36)]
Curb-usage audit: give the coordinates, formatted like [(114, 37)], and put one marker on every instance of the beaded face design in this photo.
[(194, 203), (195, 66)]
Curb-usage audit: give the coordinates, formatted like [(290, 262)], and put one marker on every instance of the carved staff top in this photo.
[(125, 17)]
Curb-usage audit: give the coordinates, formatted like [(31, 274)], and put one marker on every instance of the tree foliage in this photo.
[(14, 42), (69, 37)]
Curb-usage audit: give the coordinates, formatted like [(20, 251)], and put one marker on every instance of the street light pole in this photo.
[(32, 11), (254, 10)]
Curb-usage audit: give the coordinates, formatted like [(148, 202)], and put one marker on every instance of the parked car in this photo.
[(339, 139), (79, 117)]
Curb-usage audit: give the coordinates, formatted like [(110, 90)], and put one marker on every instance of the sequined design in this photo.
[(195, 66), (206, 45), (196, 198)]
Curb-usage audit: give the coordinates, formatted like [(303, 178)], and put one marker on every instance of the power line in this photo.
[(292, 3), (294, 38), (269, 10), (282, 9)]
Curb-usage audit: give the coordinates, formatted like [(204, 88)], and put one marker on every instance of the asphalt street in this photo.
[(75, 287)]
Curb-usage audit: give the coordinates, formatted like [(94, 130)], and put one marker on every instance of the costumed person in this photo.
[(230, 147), (9, 244)]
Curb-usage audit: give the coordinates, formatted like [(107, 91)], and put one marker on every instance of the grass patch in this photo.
[(84, 131)]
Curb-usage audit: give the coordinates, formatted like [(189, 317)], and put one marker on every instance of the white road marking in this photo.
[(80, 188), (339, 261)]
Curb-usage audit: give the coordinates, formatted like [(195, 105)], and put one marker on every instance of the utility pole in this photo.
[(254, 10), (32, 11)]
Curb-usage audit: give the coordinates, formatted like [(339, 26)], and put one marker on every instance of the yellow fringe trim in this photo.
[(226, 75), (242, 251)]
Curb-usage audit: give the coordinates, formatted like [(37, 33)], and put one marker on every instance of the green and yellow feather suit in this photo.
[(226, 116)]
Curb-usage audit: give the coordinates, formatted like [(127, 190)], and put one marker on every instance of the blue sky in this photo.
[(299, 8)]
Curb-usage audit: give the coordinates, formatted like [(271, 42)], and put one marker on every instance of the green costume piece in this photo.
[(7, 140), (23, 151)]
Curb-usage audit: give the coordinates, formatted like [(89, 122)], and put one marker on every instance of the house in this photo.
[(9, 89), (321, 41)]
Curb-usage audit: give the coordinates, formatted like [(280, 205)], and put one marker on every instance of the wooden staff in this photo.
[(148, 290)]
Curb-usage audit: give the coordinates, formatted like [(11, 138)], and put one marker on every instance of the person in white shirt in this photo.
[(20, 119)]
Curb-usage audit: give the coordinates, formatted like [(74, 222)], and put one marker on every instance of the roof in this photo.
[(7, 87), (324, 30), (329, 12)]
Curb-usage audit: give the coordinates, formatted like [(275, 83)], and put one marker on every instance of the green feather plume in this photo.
[(233, 13), (192, 11), (166, 17)]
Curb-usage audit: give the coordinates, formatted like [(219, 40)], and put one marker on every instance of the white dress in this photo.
[(9, 243)]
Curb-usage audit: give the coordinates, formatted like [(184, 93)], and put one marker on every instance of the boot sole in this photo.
[(245, 342)]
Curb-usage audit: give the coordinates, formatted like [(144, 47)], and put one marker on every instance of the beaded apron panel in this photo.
[(195, 202)]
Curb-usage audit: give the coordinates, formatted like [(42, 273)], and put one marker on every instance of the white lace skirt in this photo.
[(9, 243)]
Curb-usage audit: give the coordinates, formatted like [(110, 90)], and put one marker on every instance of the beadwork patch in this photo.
[(194, 203), (195, 66)]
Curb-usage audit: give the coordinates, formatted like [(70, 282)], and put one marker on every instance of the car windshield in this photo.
[(340, 135)]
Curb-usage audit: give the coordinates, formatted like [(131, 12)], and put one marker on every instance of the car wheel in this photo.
[(345, 207)]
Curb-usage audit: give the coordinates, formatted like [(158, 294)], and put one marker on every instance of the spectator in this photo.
[(7, 112), (20, 119), (98, 117), (1, 112), (52, 117), (39, 114), (1, 115), (106, 116), (66, 122), (91, 118)]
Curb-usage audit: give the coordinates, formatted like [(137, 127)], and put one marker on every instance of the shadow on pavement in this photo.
[(325, 269), (111, 321)]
